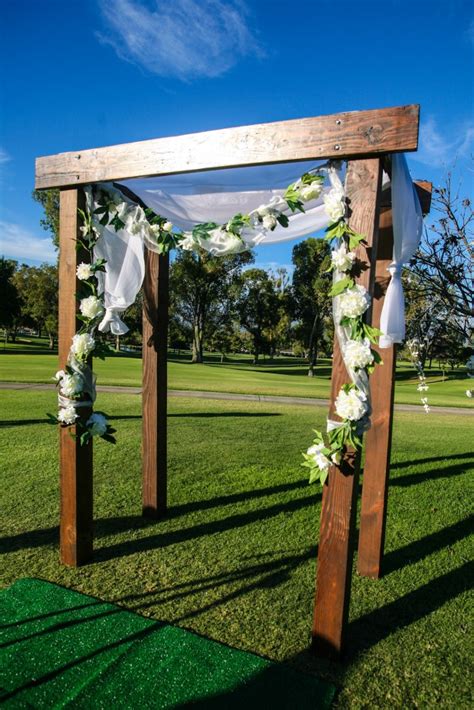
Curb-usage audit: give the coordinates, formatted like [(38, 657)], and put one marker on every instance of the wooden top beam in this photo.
[(342, 135)]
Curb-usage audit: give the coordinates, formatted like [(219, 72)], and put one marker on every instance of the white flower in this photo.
[(310, 192), (188, 242), (91, 307), (321, 461), (97, 424), (422, 387), (269, 221), (357, 354), (335, 204), (351, 405), (342, 259), (82, 345), (263, 210), (167, 227), (336, 458), (354, 301), (71, 385), (59, 375), (155, 229), (470, 393), (67, 415), (426, 408), (84, 271)]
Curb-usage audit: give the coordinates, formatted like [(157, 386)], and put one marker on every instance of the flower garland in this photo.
[(414, 348), (350, 302), (76, 383), (106, 206)]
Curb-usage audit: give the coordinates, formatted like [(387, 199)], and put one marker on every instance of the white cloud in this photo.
[(437, 150), (4, 157), (18, 243), (185, 39)]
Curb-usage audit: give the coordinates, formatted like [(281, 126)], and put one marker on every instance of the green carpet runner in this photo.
[(63, 649)]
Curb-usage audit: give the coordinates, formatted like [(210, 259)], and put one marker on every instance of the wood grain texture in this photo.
[(378, 438), (154, 392), (340, 135), (337, 529), (76, 521)]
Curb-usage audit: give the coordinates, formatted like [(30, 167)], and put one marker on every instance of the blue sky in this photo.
[(85, 73)]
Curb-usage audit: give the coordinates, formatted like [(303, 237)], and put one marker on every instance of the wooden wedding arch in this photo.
[(364, 138)]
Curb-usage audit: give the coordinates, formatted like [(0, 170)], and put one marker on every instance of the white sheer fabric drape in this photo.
[(407, 229), (187, 200)]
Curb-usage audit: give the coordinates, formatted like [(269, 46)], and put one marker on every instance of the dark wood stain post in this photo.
[(378, 440), (76, 534), (379, 437), (154, 393), (337, 531)]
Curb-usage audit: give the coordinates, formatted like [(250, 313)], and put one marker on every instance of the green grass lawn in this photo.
[(282, 376), (235, 558)]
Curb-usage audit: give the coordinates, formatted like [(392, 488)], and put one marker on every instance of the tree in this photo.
[(443, 264), (257, 307), (49, 200), (310, 295), (10, 304), (38, 289), (203, 290)]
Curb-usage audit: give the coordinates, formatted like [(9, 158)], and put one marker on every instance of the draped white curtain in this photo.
[(187, 200)]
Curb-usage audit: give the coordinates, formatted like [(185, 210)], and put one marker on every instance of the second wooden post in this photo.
[(154, 393)]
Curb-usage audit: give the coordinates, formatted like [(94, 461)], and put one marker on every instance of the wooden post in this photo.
[(379, 437), (76, 535), (154, 394), (335, 551)]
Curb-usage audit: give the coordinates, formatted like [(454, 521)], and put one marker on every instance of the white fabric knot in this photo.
[(112, 322), (394, 269)]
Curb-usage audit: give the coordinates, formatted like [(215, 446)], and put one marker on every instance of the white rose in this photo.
[(269, 221), (354, 301), (71, 385), (91, 307), (167, 227), (82, 345), (357, 354), (335, 204), (67, 415), (59, 375), (342, 259), (187, 243), (310, 192), (318, 457), (351, 405), (155, 229), (470, 393), (97, 424), (84, 272)]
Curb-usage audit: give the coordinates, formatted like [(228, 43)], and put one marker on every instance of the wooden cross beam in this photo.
[(341, 135)]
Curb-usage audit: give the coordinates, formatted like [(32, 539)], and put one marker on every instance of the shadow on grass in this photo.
[(419, 549), (262, 575), (380, 623), (231, 522), (113, 526), (204, 415)]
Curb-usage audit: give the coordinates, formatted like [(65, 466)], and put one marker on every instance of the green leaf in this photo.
[(336, 230), (371, 333), (341, 285), (283, 220)]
